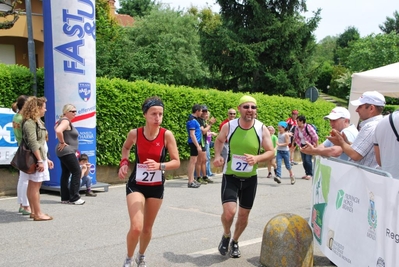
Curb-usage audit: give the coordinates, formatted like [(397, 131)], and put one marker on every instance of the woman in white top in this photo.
[(283, 152)]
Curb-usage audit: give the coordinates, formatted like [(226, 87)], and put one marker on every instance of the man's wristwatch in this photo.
[(163, 166)]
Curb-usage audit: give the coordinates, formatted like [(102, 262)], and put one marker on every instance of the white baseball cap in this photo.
[(337, 113), (370, 97)]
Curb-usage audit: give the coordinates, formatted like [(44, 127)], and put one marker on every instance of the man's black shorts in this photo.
[(242, 188)]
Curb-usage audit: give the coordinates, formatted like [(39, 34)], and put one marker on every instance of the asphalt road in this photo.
[(186, 233)]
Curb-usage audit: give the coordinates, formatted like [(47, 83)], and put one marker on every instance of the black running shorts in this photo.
[(242, 188)]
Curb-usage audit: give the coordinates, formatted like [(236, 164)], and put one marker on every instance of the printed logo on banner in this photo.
[(372, 218), (380, 262), (346, 201), (92, 168), (340, 199), (86, 137), (84, 91)]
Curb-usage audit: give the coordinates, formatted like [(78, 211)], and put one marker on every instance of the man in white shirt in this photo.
[(386, 144), (339, 120), (369, 107)]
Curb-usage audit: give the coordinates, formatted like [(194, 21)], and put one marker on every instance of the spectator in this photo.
[(283, 152), (86, 179), (386, 144), (66, 149), (209, 145), (245, 137), (292, 123), (200, 167), (272, 163), (35, 134), (231, 114), (22, 186), (194, 142), (369, 107), (305, 133), (339, 120)]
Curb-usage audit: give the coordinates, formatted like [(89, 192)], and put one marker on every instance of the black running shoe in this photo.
[(224, 245), (234, 250)]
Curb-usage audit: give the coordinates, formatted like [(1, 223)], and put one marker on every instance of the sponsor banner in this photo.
[(70, 73), (8, 143), (354, 214)]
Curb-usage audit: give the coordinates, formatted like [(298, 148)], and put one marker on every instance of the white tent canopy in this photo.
[(384, 80)]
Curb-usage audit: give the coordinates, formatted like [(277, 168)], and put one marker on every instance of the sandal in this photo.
[(37, 218), (308, 177)]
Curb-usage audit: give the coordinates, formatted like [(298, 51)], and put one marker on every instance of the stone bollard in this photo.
[(287, 242)]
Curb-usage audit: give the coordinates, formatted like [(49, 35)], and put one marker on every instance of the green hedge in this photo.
[(119, 108)]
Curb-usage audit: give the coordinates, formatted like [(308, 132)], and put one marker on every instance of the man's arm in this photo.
[(321, 150), (193, 138), (337, 139), (267, 146)]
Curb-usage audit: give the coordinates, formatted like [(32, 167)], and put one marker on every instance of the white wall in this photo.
[(7, 54)]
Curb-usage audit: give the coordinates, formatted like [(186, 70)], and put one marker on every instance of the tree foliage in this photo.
[(165, 49), (112, 44), (136, 8), (344, 40), (391, 24), (373, 51), (260, 46)]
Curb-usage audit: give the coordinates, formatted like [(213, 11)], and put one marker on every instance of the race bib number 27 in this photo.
[(145, 177), (239, 164)]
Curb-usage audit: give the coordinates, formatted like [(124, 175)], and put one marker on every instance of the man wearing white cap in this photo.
[(339, 120), (245, 137), (369, 107)]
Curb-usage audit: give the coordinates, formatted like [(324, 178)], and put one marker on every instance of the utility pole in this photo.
[(31, 45)]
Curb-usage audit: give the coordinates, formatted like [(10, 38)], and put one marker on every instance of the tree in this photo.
[(261, 46), (391, 24), (373, 51), (343, 50), (136, 8), (166, 49), (11, 12), (112, 45)]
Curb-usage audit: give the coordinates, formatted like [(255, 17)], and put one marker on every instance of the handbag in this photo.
[(24, 159)]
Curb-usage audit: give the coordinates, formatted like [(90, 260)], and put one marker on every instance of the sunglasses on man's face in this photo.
[(232, 113), (248, 106), (72, 111)]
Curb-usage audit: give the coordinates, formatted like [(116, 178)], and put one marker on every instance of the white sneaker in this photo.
[(140, 261), (128, 262), (78, 202)]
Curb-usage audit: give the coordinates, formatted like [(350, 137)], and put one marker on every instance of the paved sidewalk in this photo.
[(186, 232)]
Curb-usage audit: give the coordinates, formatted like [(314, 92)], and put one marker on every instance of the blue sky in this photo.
[(336, 15)]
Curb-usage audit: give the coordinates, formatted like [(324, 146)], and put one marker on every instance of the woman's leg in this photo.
[(135, 205), (34, 199), (64, 183), (151, 208), (72, 164)]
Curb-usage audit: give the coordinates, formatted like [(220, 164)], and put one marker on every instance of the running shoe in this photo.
[(78, 202), (277, 179), (292, 179), (140, 261), (201, 181), (269, 175), (128, 262), (206, 179), (193, 185), (224, 245), (234, 250)]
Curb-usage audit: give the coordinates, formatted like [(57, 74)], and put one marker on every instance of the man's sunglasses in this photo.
[(72, 111), (232, 113), (248, 106)]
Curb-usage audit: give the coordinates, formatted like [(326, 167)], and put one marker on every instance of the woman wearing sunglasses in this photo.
[(66, 151)]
